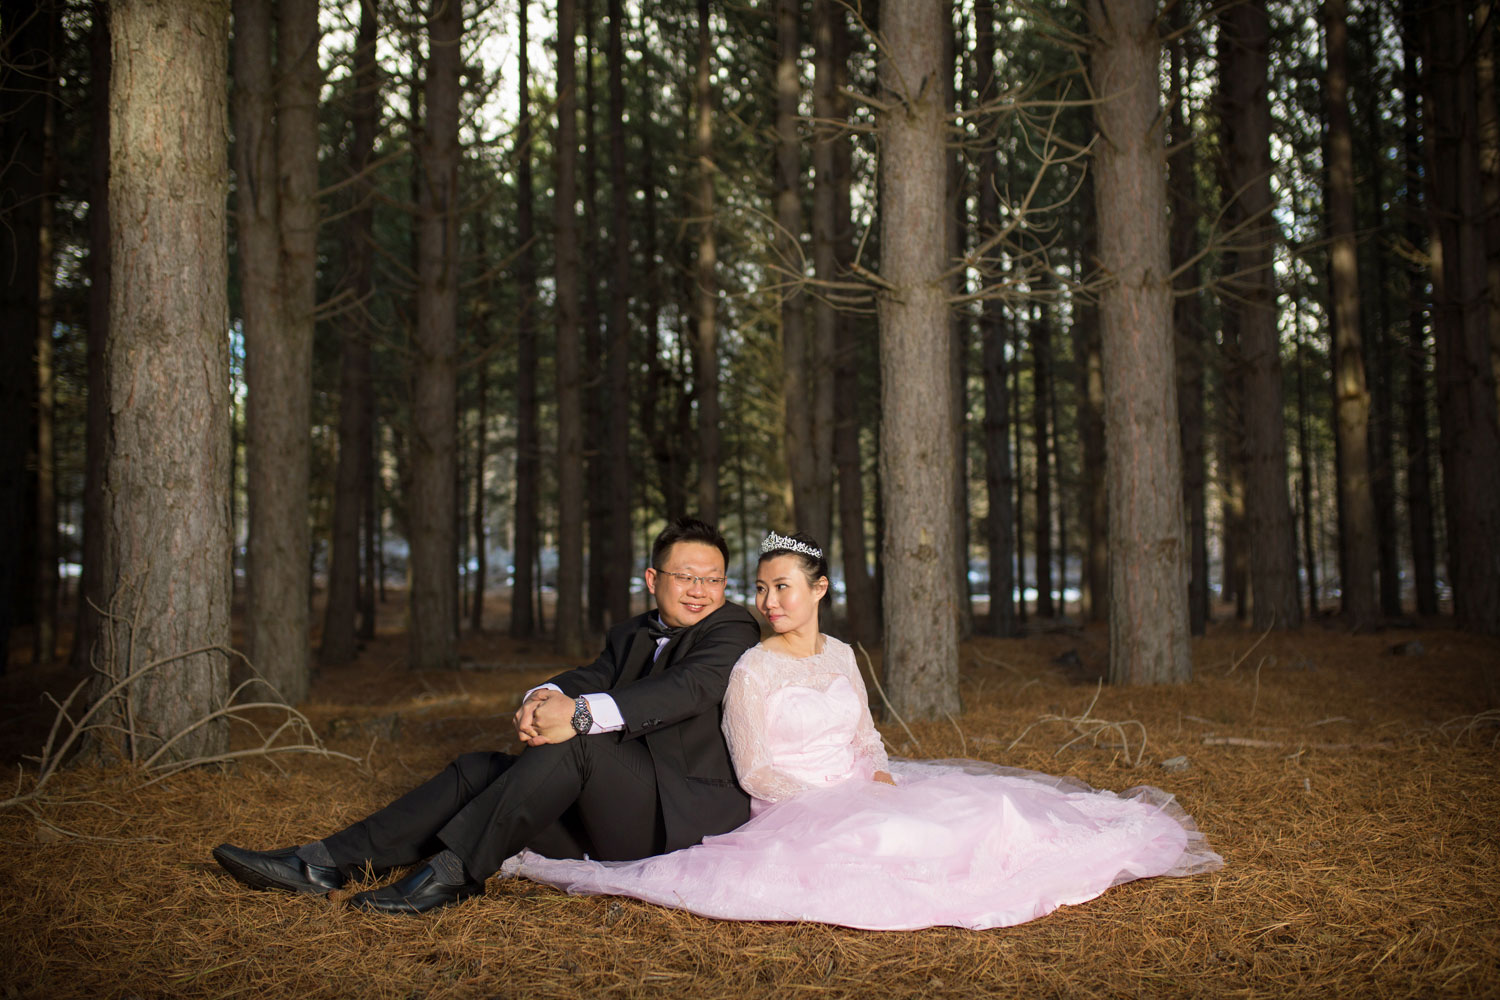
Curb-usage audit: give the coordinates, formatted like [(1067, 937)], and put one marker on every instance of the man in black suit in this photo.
[(625, 759)]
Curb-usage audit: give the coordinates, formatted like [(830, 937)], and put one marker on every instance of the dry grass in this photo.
[(1352, 793)]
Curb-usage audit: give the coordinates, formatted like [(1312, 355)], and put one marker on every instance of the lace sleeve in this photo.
[(745, 730), (868, 744)]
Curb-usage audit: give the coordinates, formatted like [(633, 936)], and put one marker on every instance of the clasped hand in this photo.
[(546, 716)]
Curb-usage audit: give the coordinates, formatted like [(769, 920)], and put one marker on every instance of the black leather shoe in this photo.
[(277, 870), (416, 893)]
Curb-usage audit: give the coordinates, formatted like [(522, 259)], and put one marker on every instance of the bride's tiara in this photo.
[(781, 543)]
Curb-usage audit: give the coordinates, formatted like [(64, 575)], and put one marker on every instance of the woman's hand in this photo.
[(884, 778)]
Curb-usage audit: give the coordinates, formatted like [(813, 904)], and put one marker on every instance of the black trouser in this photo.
[(593, 795)]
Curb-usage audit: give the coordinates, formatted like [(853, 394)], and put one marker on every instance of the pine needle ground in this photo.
[(1350, 789)]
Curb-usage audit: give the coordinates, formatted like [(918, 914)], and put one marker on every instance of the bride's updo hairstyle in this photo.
[(802, 545)]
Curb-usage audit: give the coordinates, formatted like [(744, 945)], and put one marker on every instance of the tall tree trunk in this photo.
[(45, 647), (921, 648), (568, 621), (1305, 471), (831, 44), (434, 420), (1488, 139), (1020, 474), (1041, 361), (168, 363), (1469, 438), (992, 333), (483, 342), (95, 516), (1351, 396), (955, 58), (620, 559), (356, 390), (528, 453), (1187, 319), (594, 416), (705, 302), (1418, 444), (23, 54), (803, 373), (1244, 44), (1148, 621), (276, 138)]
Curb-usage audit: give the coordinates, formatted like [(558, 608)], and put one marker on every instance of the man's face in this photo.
[(684, 595)]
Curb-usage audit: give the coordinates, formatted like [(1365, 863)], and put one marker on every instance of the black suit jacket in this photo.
[(674, 705)]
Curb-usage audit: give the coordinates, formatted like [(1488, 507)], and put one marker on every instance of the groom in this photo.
[(625, 759)]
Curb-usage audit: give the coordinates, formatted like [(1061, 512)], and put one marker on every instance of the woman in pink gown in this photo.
[(841, 834)]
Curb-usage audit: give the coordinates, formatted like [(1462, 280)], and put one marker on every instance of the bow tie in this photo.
[(658, 631)]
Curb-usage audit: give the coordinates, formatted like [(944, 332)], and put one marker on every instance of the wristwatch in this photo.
[(583, 719)]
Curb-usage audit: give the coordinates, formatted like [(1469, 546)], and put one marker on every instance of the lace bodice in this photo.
[(794, 724)]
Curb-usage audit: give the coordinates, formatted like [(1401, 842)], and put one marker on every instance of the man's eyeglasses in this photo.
[(687, 580)]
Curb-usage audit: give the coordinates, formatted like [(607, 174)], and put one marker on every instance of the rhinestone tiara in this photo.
[(781, 543)]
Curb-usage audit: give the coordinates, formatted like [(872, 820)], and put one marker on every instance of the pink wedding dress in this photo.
[(955, 842)]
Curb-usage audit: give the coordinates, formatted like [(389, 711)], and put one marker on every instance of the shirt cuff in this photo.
[(607, 717)]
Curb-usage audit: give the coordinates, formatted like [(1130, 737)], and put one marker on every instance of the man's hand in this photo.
[(545, 717), (884, 778)]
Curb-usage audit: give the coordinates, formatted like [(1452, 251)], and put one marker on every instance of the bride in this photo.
[(841, 834)]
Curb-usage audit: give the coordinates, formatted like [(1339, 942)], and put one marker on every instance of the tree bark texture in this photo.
[(168, 363), (44, 648), (620, 561), (1148, 621), (862, 600), (528, 451), (705, 300), (1469, 438), (23, 53), (1041, 380), (1417, 439), (356, 388), (992, 335), (96, 434), (434, 444), (568, 622), (276, 123), (1187, 320), (1244, 45), (921, 647), (1350, 392)]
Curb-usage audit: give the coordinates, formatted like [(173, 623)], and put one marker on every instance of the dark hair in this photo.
[(687, 529), (814, 568)]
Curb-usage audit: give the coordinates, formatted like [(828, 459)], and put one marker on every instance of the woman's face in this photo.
[(784, 596)]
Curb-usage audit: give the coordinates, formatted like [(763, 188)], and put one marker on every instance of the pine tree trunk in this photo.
[(1246, 115), (1041, 362), (528, 458), (620, 559), (1351, 395), (1469, 438), (798, 366), (276, 121), (356, 390), (955, 58), (96, 434), (22, 56), (1418, 442), (1304, 480), (705, 301), (568, 621), (992, 334), (921, 647), (862, 600), (168, 363), (594, 418), (1148, 621), (1489, 164), (1187, 320), (44, 650), (434, 416)]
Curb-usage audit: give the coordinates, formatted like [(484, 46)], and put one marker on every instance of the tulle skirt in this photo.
[(959, 842)]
